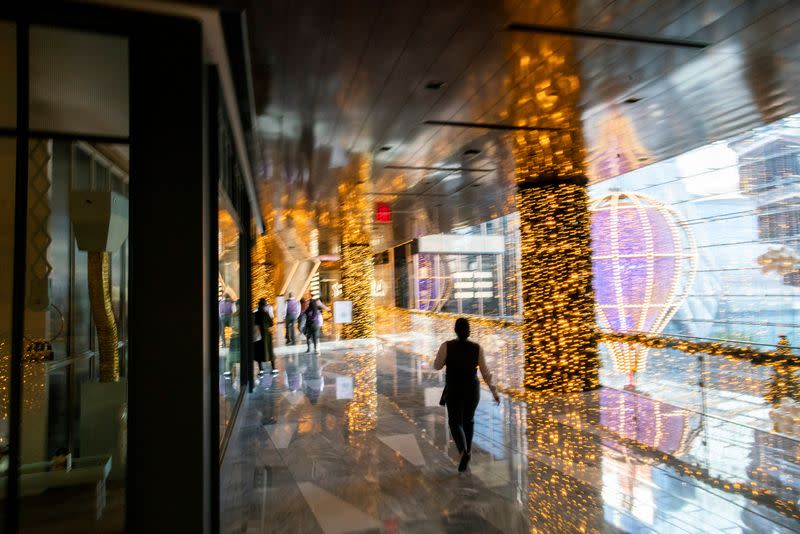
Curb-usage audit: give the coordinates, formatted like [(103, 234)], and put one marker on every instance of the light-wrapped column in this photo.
[(357, 269), (564, 491), (262, 270), (556, 264)]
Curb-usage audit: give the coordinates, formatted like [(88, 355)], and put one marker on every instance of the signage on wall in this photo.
[(473, 285), (383, 212), (342, 311)]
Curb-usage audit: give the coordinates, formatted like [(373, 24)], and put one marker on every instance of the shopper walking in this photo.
[(292, 312), (313, 324), (301, 320), (263, 346), (462, 389), (225, 312)]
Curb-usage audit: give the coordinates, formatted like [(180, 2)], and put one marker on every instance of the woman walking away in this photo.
[(263, 345), (313, 324), (462, 389)]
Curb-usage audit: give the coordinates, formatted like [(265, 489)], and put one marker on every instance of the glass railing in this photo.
[(729, 422)]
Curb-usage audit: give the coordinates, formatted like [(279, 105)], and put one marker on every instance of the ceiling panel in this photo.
[(350, 75)]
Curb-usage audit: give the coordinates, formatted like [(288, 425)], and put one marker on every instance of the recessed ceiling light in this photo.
[(385, 148), (631, 100), (434, 85), (472, 152)]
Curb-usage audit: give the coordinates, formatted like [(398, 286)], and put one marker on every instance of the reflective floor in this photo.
[(353, 440)]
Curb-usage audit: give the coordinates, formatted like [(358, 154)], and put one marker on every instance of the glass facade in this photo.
[(740, 200)]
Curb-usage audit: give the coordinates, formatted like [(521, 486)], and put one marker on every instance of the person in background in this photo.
[(313, 324), (234, 354), (225, 312), (292, 312), (264, 319), (301, 320), (463, 392)]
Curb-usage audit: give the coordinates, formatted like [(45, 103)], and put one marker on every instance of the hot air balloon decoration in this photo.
[(644, 260)]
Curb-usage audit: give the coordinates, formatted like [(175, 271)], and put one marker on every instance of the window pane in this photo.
[(78, 82), (7, 177), (231, 312), (8, 74)]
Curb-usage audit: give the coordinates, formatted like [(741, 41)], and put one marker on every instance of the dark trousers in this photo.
[(312, 334), (290, 329), (462, 401), (268, 347)]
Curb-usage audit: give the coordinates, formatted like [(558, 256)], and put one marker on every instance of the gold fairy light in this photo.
[(561, 497), (362, 411), (103, 314), (357, 269), (556, 268), (262, 270)]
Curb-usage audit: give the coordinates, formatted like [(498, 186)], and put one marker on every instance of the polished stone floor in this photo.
[(353, 440)]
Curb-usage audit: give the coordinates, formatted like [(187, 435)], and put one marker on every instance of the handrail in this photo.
[(55, 365), (711, 347)]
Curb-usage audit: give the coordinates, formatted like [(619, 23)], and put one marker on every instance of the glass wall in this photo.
[(724, 267), (739, 203), (71, 334), (8, 120), (231, 311), (484, 285)]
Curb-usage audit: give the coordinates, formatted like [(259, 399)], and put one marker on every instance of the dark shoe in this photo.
[(465, 458)]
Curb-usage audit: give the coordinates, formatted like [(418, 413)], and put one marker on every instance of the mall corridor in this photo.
[(399, 266), (354, 440)]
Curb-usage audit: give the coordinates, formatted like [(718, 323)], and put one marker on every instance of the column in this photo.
[(357, 268), (262, 269), (558, 301)]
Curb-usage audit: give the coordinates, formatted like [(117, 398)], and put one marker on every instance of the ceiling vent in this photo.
[(434, 85)]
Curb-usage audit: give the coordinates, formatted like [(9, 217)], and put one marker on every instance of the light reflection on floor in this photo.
[(354, 440)]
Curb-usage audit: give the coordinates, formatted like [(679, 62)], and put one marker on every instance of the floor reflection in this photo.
[(353, 440)]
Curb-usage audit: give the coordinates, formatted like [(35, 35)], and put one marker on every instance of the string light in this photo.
[(362, 411), (99, 264), (556, 268), (357, 269), (34, 371), (568, 431), (262, 270)]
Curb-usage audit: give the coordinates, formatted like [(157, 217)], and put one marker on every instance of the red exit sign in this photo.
[(383, 212)]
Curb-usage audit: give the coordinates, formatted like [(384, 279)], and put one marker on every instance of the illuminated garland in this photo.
[(551, 416), (754, 356), (781, 356), (749, 490), (357, 269)]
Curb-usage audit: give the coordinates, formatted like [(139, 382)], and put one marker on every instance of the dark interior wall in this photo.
[(169, 460)]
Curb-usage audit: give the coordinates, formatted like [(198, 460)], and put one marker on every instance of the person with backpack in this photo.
[(462, 390), (292, 312), (313, 323)]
